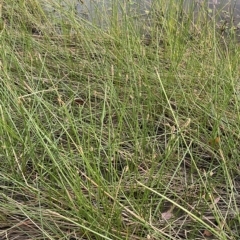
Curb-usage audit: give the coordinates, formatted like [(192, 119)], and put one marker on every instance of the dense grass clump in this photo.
[(122, 127)]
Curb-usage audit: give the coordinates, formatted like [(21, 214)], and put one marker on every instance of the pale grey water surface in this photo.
[(91, 8), (94, 9), (97, 11)]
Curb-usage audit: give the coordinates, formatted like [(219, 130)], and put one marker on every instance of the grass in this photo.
[(107, 133)]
